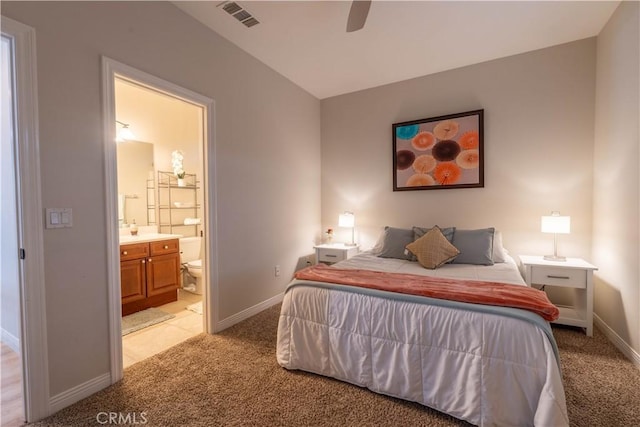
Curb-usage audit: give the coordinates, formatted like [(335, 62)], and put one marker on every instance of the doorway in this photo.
[(160, 169), (23, 308), (11, 398), (169, 129)]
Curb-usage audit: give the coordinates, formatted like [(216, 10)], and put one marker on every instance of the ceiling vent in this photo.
[(242, 15)]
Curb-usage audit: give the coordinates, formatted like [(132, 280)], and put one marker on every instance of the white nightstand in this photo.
[(334, 252), (574, 273)]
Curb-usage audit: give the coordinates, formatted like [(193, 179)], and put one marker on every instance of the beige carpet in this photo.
[(232, 379)]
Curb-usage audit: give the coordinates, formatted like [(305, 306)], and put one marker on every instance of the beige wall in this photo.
[(616, 213), (539, 112), (267, 134)]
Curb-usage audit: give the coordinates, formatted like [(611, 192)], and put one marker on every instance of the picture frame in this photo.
[(438, 153)]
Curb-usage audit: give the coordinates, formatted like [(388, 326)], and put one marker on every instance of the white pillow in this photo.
[(499, 252)]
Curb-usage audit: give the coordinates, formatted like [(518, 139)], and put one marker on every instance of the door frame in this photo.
[(112, 69), (33, 318)]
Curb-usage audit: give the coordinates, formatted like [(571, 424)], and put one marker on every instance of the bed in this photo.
[(484, 364)]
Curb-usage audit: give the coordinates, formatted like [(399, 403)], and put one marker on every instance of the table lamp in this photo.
[(348, 220), (555, 224)]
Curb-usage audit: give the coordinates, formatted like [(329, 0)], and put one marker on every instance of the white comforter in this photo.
[(505, 272), (484, 368)]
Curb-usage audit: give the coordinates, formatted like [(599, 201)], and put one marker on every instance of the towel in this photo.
[(191, 221), (121, 204)]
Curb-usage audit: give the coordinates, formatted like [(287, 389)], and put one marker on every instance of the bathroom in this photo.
[(160, 137)]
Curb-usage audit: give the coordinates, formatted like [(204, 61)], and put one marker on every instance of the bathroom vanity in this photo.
[(149, 271)]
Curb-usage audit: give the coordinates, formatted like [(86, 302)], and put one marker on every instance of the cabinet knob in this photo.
[(166, 246), (143, 261), (150, 259), (125, 253)]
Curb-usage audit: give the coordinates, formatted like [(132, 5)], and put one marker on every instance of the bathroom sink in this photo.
[(147, 237)]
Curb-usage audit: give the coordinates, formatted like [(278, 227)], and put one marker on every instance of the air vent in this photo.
[(242, 15), (250, 22), (231, 7)]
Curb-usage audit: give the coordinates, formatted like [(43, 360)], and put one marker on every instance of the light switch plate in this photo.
[(59, 218)]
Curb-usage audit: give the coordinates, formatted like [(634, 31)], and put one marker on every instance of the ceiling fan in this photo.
[(358, 15)]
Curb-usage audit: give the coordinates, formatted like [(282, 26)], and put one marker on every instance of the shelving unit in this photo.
[(177, 203), (151, 201)]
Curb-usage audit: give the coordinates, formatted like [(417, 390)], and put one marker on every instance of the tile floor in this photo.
[(12, 414), (146, 342)]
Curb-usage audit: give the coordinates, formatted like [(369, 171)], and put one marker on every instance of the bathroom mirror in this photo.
[(135, 183)]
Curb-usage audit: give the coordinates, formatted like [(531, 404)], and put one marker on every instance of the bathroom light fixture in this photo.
[(348, 220), (124, 133), (555, 224)]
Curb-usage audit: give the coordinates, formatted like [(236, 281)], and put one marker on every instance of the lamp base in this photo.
[(555, 258)]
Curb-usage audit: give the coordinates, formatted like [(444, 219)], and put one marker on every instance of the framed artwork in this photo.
[(439, 152)]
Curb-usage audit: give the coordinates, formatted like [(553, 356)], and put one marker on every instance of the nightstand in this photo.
[(574, 273), (334, 252)]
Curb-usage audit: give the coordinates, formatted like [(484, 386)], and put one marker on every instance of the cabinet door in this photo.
[(163, 274), (133, 277)]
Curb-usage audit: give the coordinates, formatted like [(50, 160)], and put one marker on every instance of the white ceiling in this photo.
[(306, 41)]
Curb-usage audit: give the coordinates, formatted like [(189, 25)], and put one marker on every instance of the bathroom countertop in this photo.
[(147, 237)]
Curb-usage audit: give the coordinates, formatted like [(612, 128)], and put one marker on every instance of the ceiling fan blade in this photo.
[(358, 15)]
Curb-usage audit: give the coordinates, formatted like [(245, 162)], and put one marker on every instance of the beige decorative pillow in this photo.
[(433, 249)]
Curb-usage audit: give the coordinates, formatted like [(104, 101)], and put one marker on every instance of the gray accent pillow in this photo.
[(418, 232), (475, 246), (394, 241)]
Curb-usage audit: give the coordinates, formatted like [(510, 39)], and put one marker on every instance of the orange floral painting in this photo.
[(469, 140), (447, 173), (439, 152)]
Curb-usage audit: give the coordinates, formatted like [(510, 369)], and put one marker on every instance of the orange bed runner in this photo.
[(470, 291)]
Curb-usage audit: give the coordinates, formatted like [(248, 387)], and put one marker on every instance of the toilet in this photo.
[(190, 259)]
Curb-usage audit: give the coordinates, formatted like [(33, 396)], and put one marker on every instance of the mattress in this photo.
[(474, 364)]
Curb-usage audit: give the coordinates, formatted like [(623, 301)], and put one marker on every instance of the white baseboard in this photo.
[(251, 311), (79, 392), (11, 340), (616, 340)]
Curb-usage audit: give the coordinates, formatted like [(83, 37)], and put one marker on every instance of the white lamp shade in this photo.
[(347, 220), (555, 223)]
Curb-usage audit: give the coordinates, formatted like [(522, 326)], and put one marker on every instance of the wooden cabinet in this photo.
[(149, 274)]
